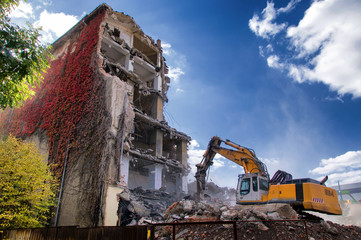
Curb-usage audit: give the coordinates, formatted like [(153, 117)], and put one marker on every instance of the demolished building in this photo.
[(98, 118)]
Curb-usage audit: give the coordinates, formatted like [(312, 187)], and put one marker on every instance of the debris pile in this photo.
[(155, 201), (274, 230), (141, 206), (191, 211), (144, 207)]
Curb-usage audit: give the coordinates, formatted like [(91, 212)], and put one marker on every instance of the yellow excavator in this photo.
[(256, 187)]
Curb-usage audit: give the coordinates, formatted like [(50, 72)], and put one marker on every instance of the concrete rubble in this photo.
[(161, 206), (204, 211), (147, 207)]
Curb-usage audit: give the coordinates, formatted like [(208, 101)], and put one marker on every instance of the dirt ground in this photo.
[(288, 230)]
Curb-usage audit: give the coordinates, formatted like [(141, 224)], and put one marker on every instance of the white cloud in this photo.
[(263, 51), (272, 165), (270, 161), (176, 62), (24, 10), (265, 26), (345, 168), (47, 2), (347, 161), (269, 48), (167, 49), (324, 46), (332, 28), (337, 98), (175, 73), (273, 61), (55, 25), (344, 178), (297, 72), (290, 6)]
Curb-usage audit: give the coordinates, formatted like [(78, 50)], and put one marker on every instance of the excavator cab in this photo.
[(251, 188)]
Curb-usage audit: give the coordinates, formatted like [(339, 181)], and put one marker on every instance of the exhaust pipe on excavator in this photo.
[(324, 180)]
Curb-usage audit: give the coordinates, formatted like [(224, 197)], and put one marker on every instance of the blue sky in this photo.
[(280, 77)]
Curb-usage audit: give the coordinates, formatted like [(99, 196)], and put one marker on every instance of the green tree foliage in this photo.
[(26, 186), (23, 58)]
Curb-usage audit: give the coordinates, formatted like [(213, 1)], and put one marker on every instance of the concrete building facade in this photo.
[(98, 116)]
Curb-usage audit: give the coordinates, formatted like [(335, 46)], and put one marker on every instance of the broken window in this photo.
[(146, 52), (169, 147), (114, 52), (144, 101), (143, 137)]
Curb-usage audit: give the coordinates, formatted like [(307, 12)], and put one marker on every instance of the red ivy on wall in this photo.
[(66, 97)]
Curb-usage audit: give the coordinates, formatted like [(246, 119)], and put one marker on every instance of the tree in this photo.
[(27, 188), (23, 58)]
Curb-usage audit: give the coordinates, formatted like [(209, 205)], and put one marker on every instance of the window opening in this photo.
[(245, 186), (263, 184), (255, 184)]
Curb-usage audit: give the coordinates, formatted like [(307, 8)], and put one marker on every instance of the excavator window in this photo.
[(263, 184), (254, 184), (245, 186)]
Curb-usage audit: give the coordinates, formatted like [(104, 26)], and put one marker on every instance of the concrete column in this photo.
[(181, 183), (158, 142), (129, 63), (131, 93), (155, 176), (158, 82), (182, 152), (124, 170), (157, 109)]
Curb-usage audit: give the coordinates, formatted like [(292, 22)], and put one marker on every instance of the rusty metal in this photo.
[(153, 232), (174, 232), (74, 232), (129, 232), (235, 230), (304, 222), (62, 184)]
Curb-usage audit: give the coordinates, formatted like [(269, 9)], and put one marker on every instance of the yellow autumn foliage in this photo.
[(26, 186)]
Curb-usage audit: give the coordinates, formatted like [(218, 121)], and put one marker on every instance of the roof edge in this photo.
[(77, 26)]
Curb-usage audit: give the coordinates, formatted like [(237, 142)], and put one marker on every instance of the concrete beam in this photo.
[(163, 126)]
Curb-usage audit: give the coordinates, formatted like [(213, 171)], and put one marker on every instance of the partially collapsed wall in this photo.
[(98, 115)]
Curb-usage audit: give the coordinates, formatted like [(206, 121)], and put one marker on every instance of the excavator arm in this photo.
[(241, 155)]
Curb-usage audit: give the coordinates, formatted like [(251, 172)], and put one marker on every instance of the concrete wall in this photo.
[(137, 180), (41, 142), (111, 206), (169, 185)]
